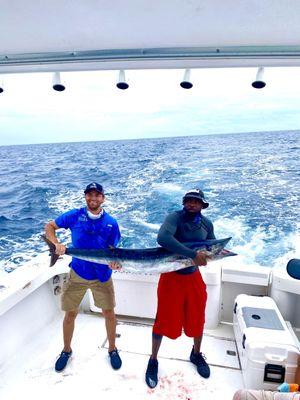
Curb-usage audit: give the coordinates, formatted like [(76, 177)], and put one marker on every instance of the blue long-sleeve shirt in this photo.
[(90, 233)]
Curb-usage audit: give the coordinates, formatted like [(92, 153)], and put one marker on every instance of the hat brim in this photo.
[(204, 203), (90, 190)]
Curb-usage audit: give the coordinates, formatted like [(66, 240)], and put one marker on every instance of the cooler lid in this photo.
[(261, 318)]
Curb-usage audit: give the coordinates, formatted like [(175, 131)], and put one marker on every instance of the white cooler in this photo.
[(267, 349)]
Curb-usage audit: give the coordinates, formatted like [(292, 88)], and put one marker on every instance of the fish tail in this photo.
[(52, 249)]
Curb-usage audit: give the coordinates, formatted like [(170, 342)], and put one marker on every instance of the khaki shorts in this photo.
[(76, 287)]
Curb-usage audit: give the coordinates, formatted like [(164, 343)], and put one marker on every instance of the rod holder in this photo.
[(259, 83), (186, 82), (57, 85), (122, 84)]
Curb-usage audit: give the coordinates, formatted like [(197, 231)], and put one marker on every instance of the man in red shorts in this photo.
[(182, 294)]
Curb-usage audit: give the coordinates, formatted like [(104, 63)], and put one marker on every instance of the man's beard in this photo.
[(94, 208)]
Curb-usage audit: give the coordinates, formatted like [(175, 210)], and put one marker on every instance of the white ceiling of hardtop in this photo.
[(29, 27)]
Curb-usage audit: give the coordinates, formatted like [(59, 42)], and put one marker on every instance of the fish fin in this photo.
[(52, 249)]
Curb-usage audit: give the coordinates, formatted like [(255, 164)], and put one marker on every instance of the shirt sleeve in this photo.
[(65, 220), (211, 233), (114, 236), (210, 229), (167, 240)]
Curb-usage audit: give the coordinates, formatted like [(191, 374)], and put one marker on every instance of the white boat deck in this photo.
[(31, 374)]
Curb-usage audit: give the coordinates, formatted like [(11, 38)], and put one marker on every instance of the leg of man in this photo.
[(198, 358), (110, 324), (197, 344), (168, 321), (152, 367), (68, 328), (156, 342), (104, 297), (74, 290), (194, 319)]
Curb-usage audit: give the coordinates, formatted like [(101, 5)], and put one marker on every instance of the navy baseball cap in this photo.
[(94, 186), (196, 194)]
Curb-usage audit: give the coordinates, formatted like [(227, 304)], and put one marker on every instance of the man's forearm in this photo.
[(50, 229), (50, 233), (168, 241)]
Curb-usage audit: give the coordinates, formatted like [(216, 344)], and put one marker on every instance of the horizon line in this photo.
[(152, 138)]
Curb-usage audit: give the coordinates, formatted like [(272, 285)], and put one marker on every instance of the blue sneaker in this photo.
[(62, 360), (151, 373), (199, 361), (115, 359)]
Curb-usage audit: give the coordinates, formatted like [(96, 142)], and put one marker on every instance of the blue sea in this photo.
[(251, 180)]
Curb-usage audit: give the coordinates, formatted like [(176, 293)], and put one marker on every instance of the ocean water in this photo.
[(252, 182)]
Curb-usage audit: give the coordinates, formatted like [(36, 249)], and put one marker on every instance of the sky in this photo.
[(92, 108)]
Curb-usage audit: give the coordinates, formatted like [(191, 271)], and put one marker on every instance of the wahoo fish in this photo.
[(156, 260)]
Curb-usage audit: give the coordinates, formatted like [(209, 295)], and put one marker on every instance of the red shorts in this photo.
[(181, 305)]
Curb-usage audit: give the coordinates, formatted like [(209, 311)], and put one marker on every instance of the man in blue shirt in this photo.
[(91, 228)]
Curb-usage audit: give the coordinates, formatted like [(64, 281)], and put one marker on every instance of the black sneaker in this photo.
[(151, 373), (62, 360), (199, 361), (115, 359)]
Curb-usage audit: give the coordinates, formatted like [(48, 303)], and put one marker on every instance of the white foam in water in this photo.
[(168, 187), (23, 252), (66, 201), (237, 229), (196, 174), (248, 252), (249, 243), (293, 241), (234, 227), (115, 206), (149, 225)]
